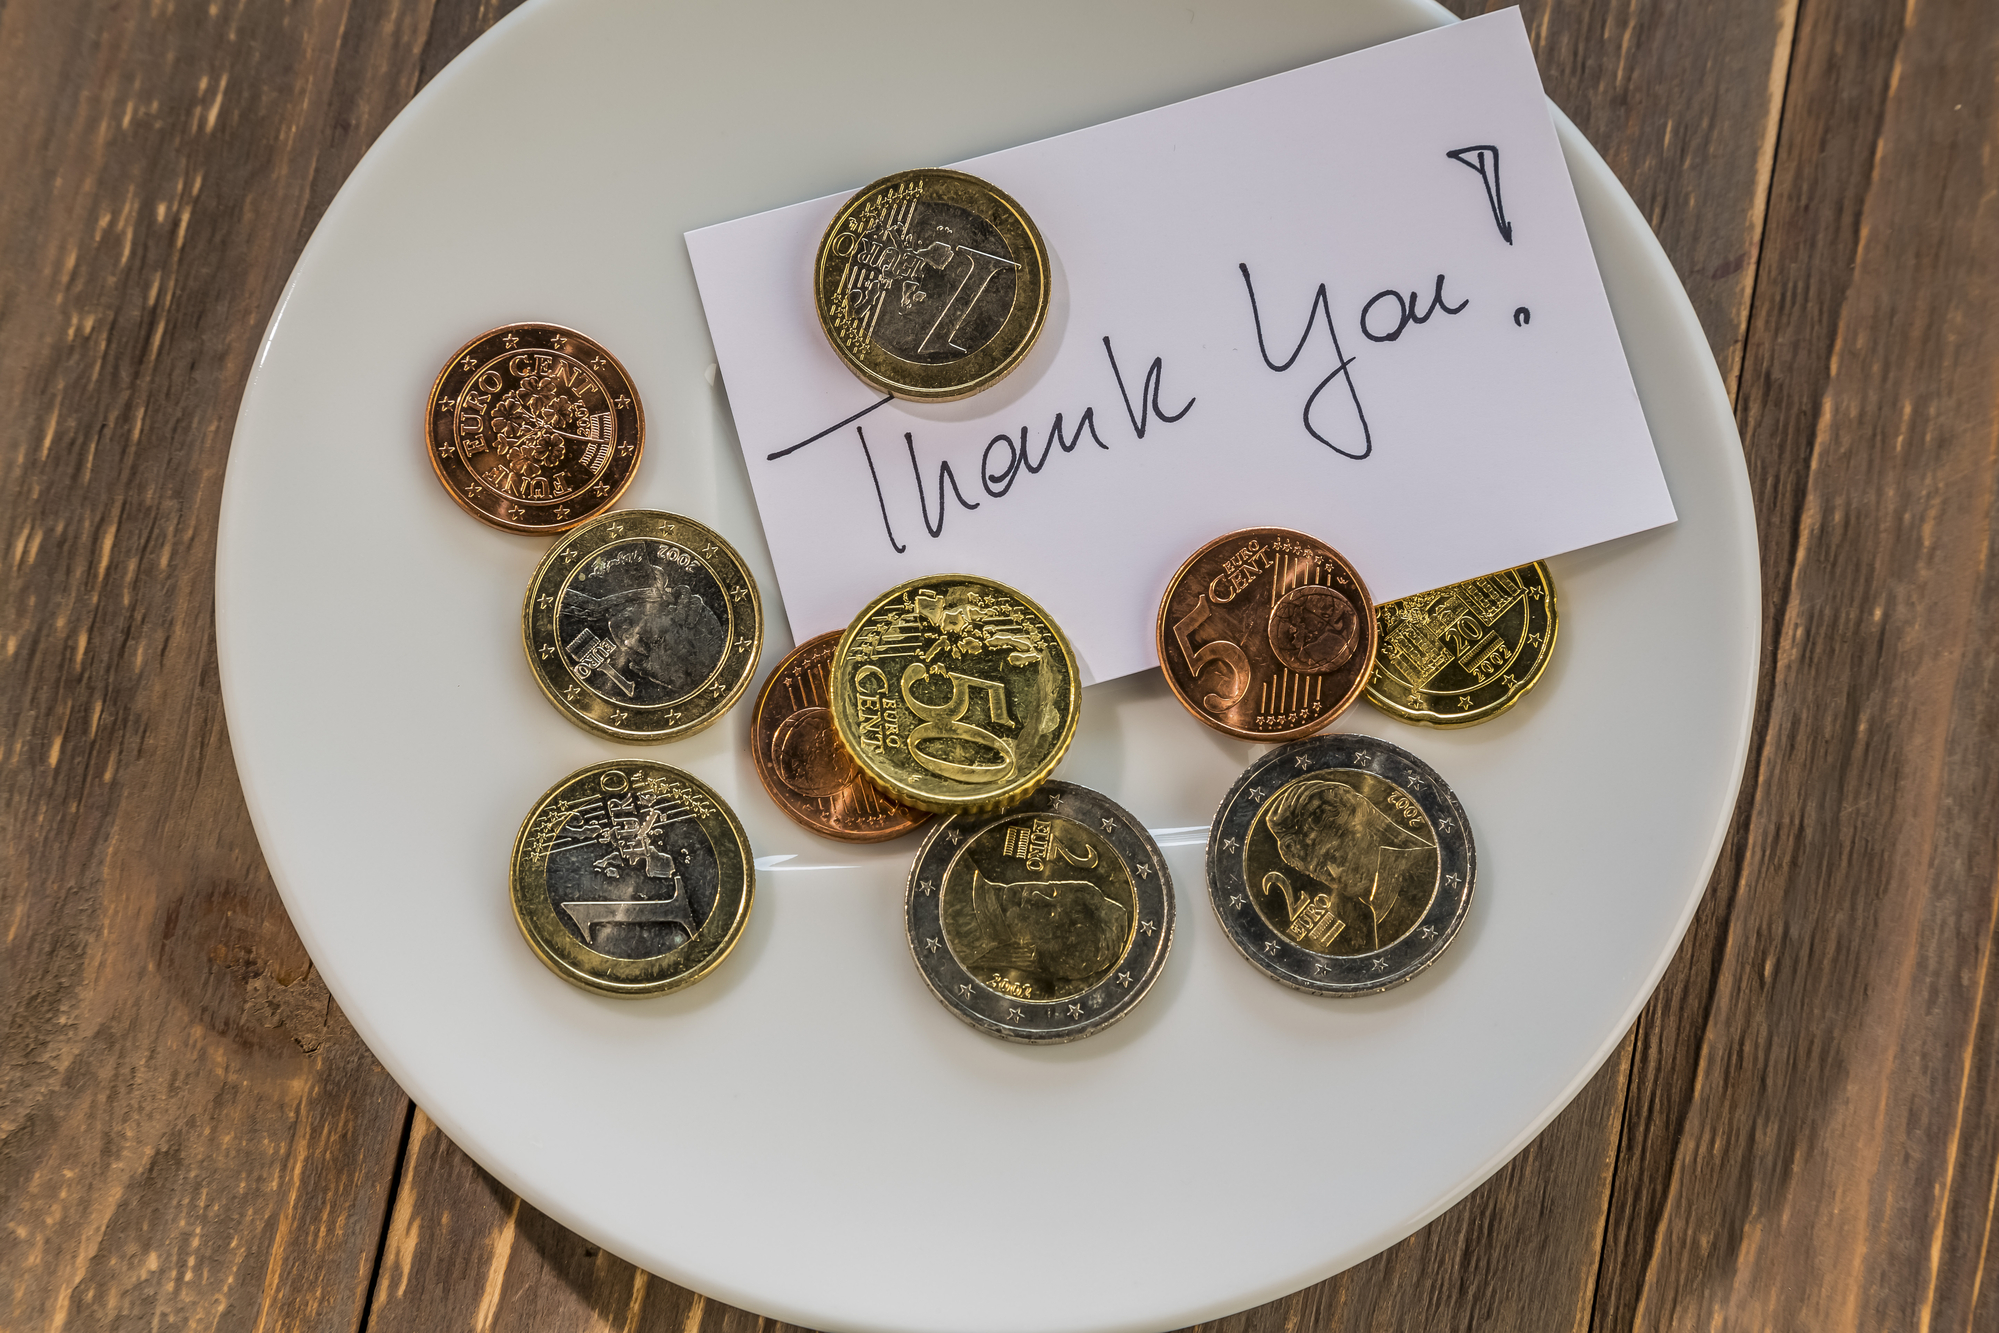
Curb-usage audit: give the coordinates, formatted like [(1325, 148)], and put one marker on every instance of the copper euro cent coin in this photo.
[(1341, 865), (931, 285), (642, 626), (1045, 922), (803, 765), (631, 878), (534, 428), (1266, 634), (1467, 653)]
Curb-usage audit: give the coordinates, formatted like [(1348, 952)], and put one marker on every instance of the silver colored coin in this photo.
[(1341, 865), (1044, 922)]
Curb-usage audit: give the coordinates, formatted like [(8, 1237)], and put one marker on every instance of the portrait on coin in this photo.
[(641, 628), (1036, 909), (1344, 864)]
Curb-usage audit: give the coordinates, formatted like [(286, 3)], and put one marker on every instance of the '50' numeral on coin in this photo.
[(1223, 651)]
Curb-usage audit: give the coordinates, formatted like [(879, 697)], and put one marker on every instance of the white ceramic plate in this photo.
[(807, 1132)]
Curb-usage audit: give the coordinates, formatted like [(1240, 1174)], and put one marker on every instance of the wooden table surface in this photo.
[(1800, 1132)]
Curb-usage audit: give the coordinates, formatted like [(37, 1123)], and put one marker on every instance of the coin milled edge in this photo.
[(1423, 717)]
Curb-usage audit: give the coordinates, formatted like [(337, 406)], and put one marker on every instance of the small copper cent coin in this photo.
[(1267, 634), (931, 285), (1045, 922), (642, 626), (804, 767), (1341, 865), (534, 428), (955, 693), (1467, 653), (631, 878)]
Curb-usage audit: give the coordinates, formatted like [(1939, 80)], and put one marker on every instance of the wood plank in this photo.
[(191, 1136), (1832, 1161)]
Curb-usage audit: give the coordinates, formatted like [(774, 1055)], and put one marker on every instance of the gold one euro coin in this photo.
[(931, 285), (955, 693), (631, 878), (642, 626), (534, 428), (1465, 653)]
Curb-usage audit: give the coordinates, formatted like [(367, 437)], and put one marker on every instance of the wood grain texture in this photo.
[(191, 1136), (1834, 1169), (1798, 1134)]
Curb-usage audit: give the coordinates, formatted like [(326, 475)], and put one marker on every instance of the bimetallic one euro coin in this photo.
[(1341, 865), (931, 285), (1465, 653), (631, 878), (534, 428), (1043, 923), (642, 626), (804, 767), (955, 693), (1266, 634)]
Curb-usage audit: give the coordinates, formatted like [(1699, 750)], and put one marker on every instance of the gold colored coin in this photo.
[(931, 285), (631, 878), (955, 693), (807, 771), (1466, 653), (534, 428), (642, 626)]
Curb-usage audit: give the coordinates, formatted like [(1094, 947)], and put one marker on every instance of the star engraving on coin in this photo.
[(1256, 793), (1109, 825), (1464, 701), (622, 401), (468, 364), (1144, 871), (966, 991), (1302, 761), (1344, 858), (511, 341), (1230, 844), (1038, 914)]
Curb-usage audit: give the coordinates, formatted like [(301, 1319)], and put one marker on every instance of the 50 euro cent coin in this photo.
[(955, 693)]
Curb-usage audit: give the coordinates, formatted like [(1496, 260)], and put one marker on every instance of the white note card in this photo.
[(1355, 299)]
